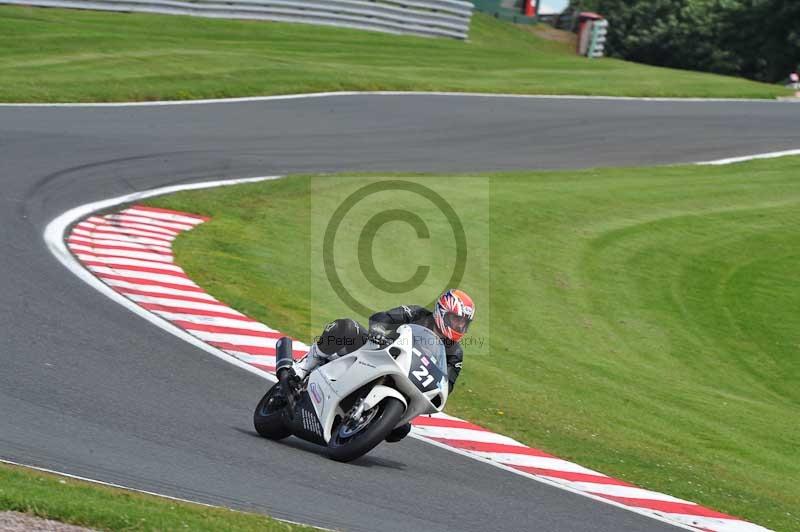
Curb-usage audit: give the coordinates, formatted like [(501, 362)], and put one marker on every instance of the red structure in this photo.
[(530, 8), (585, 18)]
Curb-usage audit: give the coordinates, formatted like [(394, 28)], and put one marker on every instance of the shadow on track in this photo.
[(302, 445)]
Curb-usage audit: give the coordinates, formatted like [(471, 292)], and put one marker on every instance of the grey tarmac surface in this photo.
[(89, 388)]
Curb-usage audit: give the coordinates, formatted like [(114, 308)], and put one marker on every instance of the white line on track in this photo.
[(128, 232), (107, 240), (151, 258), (218, 321), (466, 434), (180, 303), (158, 290), (389, 93), (120, 261), (119, 222), (745, 158), (157, 277), (89, 240), (149, 221)]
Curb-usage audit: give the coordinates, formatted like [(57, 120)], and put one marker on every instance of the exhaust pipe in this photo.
[(284, 370), (283, 355)]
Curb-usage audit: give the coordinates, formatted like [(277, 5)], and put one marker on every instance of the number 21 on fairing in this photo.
[(423, 373)]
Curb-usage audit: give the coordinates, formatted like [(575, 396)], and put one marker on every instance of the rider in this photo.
[(450, 318)]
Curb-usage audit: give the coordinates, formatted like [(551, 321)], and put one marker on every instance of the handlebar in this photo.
[(379, 338)]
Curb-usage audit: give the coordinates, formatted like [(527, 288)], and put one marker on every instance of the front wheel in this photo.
[(349, 442), (269, 415)]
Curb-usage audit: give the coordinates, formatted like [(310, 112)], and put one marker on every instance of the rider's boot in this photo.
[(399, 433), (311, 361)]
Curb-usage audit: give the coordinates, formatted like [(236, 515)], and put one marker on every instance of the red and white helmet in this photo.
[(453, 313)]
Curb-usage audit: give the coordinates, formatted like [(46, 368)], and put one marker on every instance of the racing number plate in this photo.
[(424, 373)]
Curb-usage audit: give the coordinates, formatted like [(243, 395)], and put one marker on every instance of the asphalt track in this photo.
[(89, 388)]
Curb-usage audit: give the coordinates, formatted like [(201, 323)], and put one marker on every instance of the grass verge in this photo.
[(642, 322), (100, 507), (55, 55)]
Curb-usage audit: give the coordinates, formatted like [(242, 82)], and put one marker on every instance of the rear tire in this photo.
[(359, 444), (269, 416)]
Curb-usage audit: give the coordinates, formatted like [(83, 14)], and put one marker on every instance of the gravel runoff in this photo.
[(18, 522)]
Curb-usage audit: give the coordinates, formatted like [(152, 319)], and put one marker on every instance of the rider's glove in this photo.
[(379, 338)]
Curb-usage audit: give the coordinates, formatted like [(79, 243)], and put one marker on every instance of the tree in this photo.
[(764, 37), (759, 39)]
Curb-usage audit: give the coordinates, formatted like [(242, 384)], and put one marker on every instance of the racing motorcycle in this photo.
[(352, 403)]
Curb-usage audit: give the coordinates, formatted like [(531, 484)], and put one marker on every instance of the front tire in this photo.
[(269, 416), (347, 449)]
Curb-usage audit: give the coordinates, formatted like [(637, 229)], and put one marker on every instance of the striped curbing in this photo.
[(131, 252)]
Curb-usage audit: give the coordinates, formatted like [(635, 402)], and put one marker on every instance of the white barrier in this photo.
[(431, 18)]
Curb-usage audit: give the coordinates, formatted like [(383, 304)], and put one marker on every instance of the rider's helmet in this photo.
[(453, 313)]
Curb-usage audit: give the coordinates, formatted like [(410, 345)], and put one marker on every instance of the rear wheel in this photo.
[(269, 415), (352, 439)]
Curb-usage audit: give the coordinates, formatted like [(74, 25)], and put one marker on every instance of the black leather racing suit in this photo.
[(344, 336)]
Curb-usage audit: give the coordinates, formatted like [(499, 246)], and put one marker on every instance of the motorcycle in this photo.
[(352, 403)]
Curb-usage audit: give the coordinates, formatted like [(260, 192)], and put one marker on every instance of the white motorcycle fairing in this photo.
[(412, 370)]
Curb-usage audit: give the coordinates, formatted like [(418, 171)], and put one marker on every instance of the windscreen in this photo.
[(429, 361)]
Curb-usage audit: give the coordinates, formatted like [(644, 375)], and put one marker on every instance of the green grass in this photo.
[(90, 505), (54, 55), (643, 322)]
